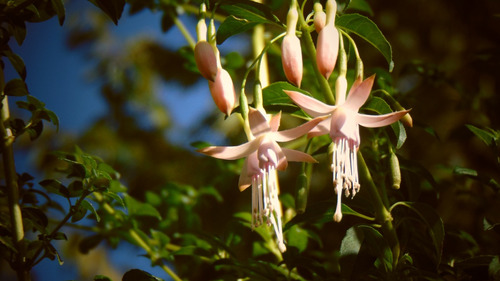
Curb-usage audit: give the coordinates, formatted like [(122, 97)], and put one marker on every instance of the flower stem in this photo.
[(182, 28), (16, 218), (382, 215), (311, 50)]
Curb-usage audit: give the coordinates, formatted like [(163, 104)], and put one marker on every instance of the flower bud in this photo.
[(395, 171), (319, 17), (222, 91), (291, 57), (407, 120), (206, 61), (327, 49)]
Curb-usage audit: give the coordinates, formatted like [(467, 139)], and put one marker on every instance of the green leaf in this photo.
[(275, 99), (16, 87), (60, 11), (488, 137), (55, 186), (232, 26), (250, 10), (136, 208), (139, 275), (87, 205), (115, 197), (431, 219), (322, 212), (36, 217), (361, 5), (112, 8), (60, 236), (297, 237), (368, 30), (18, 30), (101, 278), (465, 172), (79, 213), (17, 62)]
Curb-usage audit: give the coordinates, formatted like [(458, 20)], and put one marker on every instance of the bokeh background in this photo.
[(128, 94)]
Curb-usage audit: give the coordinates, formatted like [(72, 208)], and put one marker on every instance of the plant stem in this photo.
[(16, 218), (258, 44), (382, 214), (311, 50), (182, 28)]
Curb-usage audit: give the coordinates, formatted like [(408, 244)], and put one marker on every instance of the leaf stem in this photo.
[(182, 28), (16, 218), (311, 50), (382, 215)]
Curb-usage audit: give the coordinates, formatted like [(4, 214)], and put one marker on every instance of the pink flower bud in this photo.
[(291, 56), (327, 49), (319, 17), (222, 91), (206, 61)]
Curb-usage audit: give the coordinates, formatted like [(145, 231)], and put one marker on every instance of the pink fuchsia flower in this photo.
[(263, 158), (342, 123)]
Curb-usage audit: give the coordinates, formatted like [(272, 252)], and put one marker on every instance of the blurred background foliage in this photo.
[(447, 58)]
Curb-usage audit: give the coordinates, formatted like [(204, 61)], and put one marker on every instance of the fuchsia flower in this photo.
[(291, 52), (342, 123), (327, 47), (263, 158)]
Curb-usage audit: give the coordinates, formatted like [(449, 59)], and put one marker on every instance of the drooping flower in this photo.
[(264, 157), (327, 47), (342, 124), (291, 52)]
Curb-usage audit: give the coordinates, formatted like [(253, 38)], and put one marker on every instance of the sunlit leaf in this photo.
[(137, 208), (368, 30), (488, 137)]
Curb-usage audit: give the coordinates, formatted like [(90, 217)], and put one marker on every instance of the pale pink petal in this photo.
[(232, 152), (298, 156), (310, 105), (270, 153), (275, 122), (291, 57), (248, 171), (291, 134), (322, 128), (327, 49), (344, 125), (359, 94), (258, 122), (373, 121)]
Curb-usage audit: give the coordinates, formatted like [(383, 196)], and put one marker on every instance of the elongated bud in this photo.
[(291, 57), (206, 61), (319, 17), (395, 171), (340, 89), (328, 42), (407, 120), (327, 49), (222, 91), (291, 52)]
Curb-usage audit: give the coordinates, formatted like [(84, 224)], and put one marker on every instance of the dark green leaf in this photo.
[(139, 275), (380, 106), (465, 172), (115, 197), (36, 217), (113, 8), (166, 22), (487, 137), (232, 26), (60, 236), (75, 188), (18, 30), (87, 205), (60, 11), (136, 208), (35, 130), (55, 186), (79, 213), (361, 5), (368, 30), (101, 278), (297, 237), (250, 10), (17, 62), (431, 219), (275, 99), (16, 87)]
